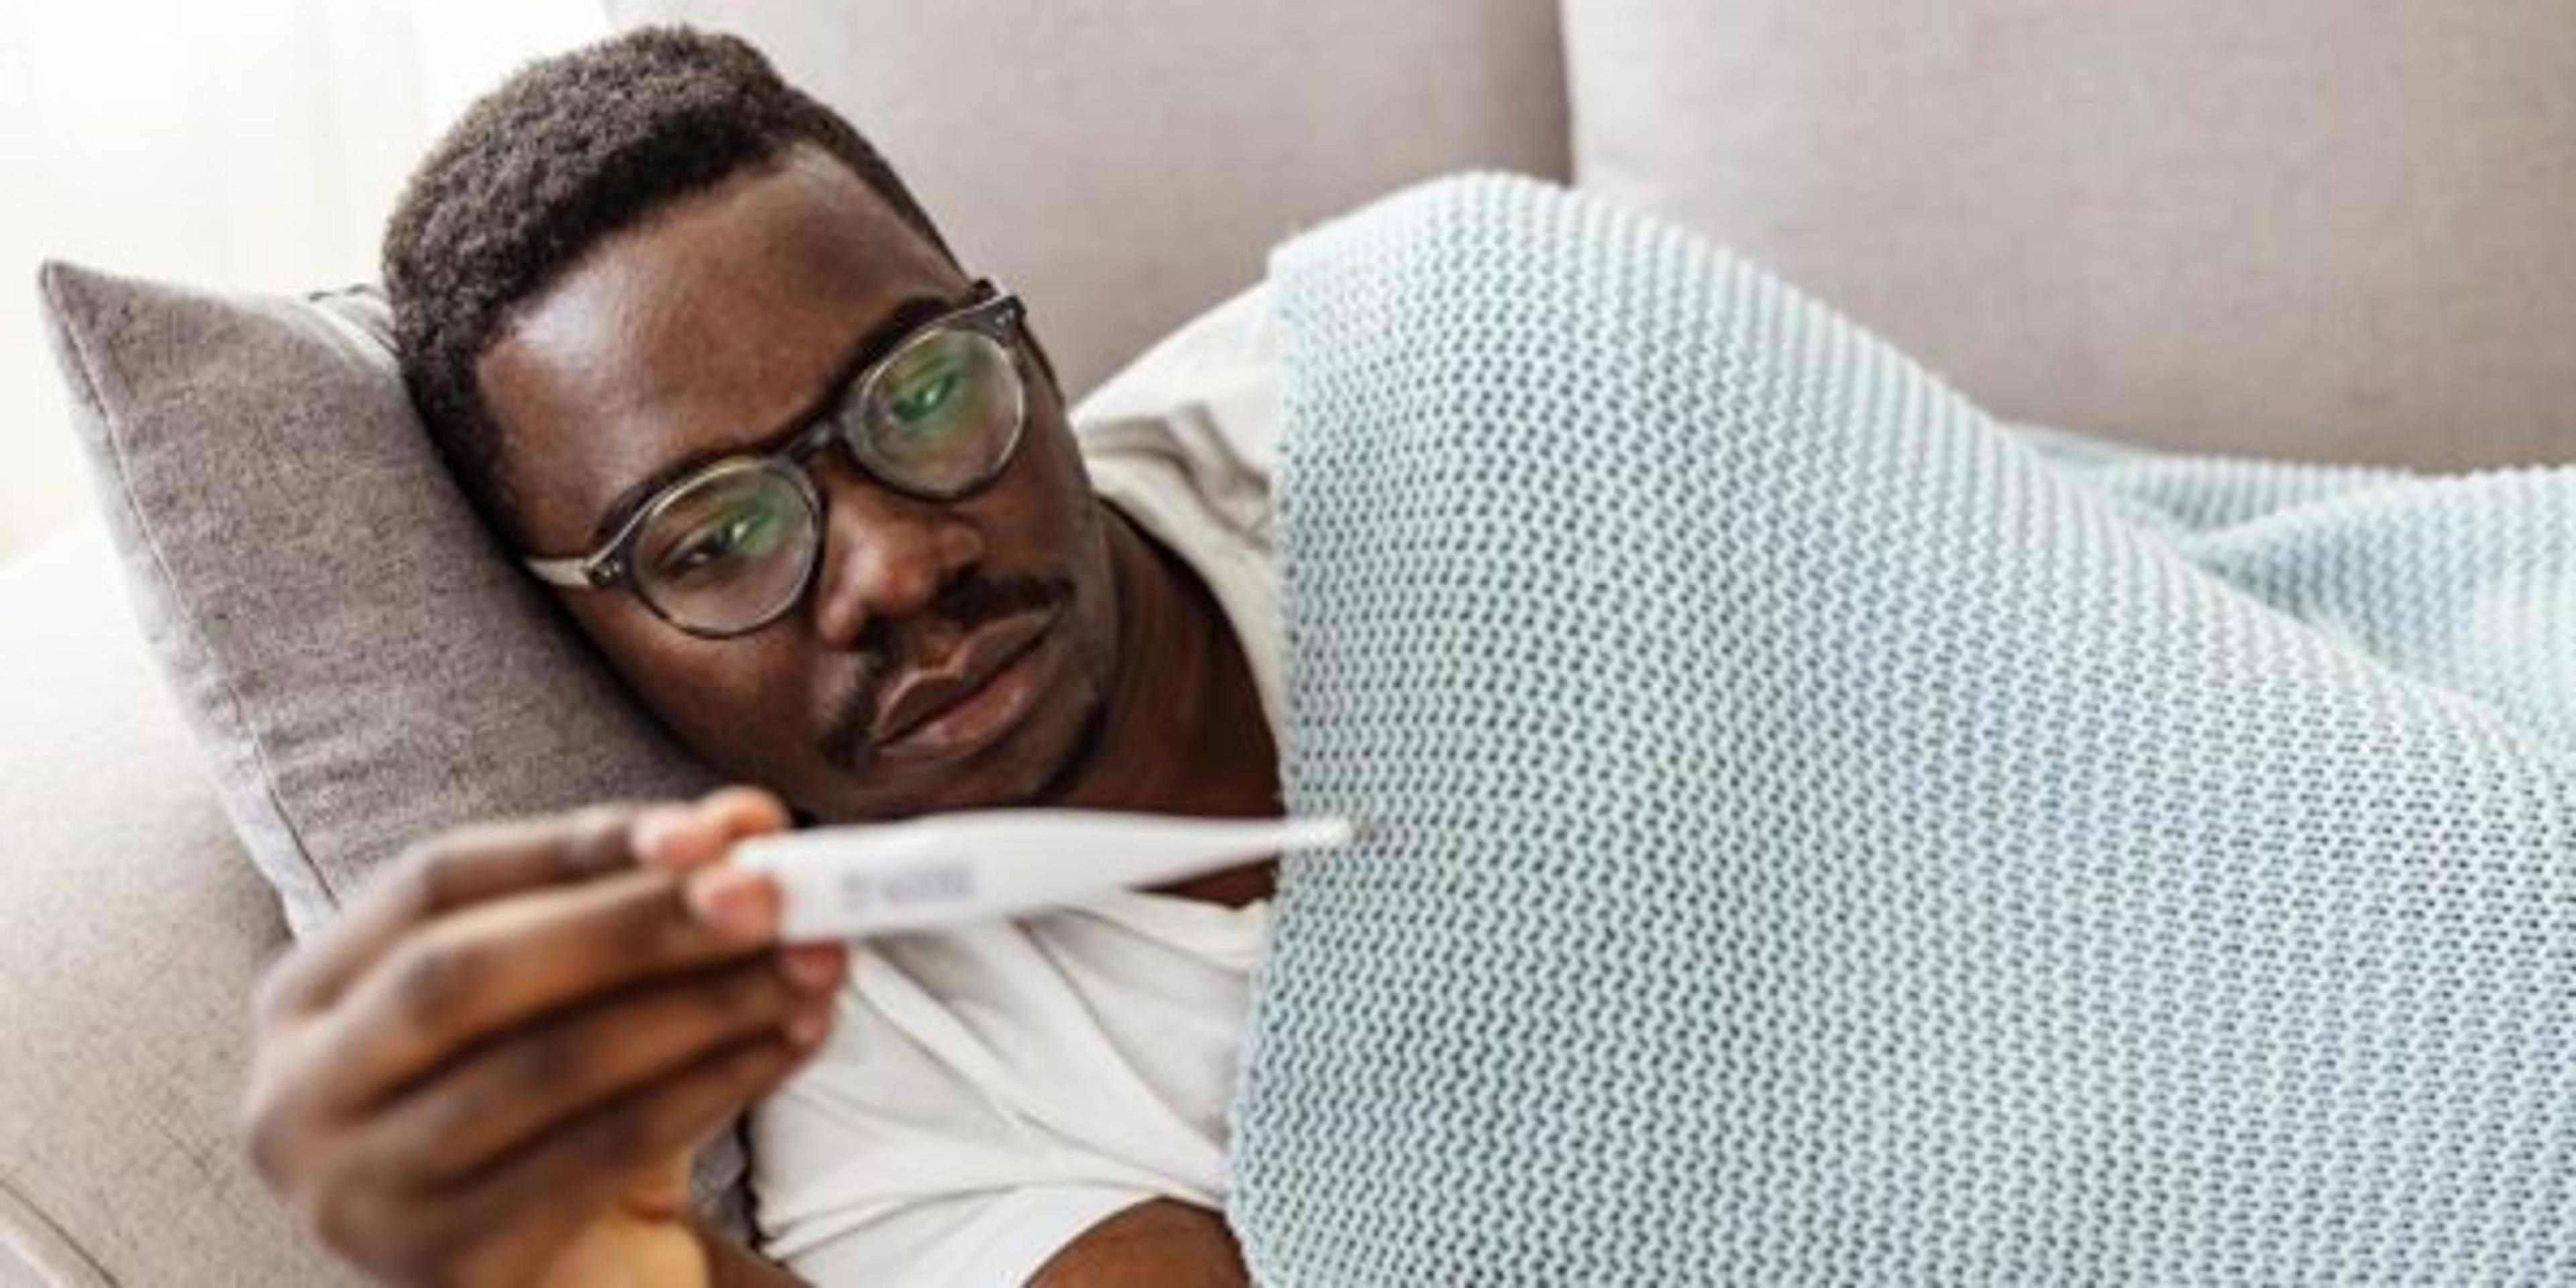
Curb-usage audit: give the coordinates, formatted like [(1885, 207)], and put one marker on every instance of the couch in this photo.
[(2320, 230)]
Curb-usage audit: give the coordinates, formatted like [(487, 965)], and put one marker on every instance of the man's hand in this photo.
[(493, 1068)]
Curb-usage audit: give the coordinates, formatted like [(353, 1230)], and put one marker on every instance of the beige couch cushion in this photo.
[(130, 932), (1124, 166), (2314, 227)]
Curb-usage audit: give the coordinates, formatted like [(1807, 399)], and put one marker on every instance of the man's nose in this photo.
[(885, 555)]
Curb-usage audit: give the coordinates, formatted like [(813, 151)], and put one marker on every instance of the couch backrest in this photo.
[(1124, 164), (2342, 229)]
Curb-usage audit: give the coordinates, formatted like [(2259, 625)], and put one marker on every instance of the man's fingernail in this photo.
[(813, 968), (653, 828), (805, 1028), (730, 900)]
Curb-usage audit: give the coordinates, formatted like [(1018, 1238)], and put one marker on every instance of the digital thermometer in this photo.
[(949, 869)]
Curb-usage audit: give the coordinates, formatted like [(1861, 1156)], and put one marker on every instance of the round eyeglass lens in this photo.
[(944, 413), (728, 551)]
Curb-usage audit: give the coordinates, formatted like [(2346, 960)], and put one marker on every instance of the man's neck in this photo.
[(1187, 733)]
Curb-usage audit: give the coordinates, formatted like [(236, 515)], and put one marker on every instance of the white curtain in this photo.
[(253, 144)]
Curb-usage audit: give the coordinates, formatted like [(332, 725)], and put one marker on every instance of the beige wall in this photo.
[(249, 146)]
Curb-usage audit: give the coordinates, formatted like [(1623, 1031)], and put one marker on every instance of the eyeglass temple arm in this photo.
[(574, 571)]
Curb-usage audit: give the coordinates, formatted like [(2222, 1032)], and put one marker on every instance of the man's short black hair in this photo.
[(568, 151)]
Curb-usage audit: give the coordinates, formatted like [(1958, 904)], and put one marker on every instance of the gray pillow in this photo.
[(358, 659)]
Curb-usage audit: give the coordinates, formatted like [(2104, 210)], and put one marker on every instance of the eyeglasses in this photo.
[(732, 546)]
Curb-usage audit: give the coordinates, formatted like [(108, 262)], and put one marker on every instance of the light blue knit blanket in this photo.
[(1832, 837)]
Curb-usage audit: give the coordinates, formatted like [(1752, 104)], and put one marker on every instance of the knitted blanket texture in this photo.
[(1826, 835)]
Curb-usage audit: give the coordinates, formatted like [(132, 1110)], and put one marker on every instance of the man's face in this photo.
[(721, 324)]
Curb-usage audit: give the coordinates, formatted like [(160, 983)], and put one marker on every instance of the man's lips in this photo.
[(921, 694)]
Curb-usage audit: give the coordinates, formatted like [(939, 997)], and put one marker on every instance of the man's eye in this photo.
[(926, 396), (734, 536)]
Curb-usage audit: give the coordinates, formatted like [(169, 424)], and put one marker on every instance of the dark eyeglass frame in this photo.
[(995, 314)]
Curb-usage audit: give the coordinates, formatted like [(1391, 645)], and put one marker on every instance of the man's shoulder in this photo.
[(1182, 443)]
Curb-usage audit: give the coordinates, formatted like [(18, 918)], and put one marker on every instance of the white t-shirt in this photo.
[(987, 1095)]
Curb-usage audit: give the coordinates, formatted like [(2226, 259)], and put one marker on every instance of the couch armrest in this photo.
[(131, 932)]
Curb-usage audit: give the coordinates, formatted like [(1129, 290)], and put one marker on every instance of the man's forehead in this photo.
[(715, 319)]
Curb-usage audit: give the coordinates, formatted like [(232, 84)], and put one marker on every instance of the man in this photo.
[(809, 486)]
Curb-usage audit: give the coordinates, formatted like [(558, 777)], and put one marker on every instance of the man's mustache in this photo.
[(885, 646)]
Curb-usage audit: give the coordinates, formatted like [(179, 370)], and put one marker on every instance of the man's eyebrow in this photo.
[(875, 343)]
